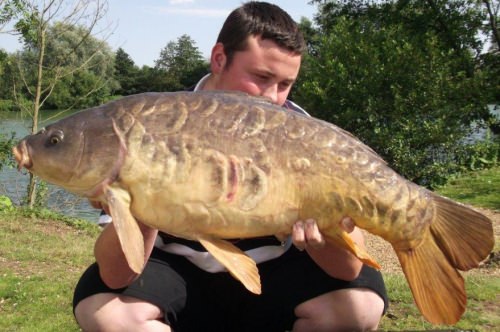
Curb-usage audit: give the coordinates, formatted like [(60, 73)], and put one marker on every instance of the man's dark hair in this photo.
[(262, 19)]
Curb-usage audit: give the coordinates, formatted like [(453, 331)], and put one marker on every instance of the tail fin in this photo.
[(437, 287), (463, 234), (459, 238)]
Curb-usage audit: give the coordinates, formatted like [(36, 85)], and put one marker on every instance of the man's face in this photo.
[(263, 69)]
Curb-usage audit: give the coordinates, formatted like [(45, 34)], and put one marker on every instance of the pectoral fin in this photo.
[(240, 265), (126, 226), (359, 252), (344, 240)]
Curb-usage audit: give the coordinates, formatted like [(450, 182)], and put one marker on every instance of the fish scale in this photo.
[(211, 166)]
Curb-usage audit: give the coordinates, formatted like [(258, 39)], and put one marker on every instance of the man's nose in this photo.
[(271, 92)]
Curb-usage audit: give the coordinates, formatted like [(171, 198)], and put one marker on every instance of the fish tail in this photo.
[(459, 238), (462, 233)]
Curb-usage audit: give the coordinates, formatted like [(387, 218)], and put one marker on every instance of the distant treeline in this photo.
[(113, 74)]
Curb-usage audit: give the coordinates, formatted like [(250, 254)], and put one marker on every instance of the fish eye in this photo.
[(56, 137)]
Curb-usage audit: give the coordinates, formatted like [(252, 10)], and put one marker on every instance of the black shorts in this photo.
[(195, 300)]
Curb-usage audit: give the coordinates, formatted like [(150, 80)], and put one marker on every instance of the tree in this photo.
[(9, 10), (492, 9), (34, 27), (401, 75), (85, 74), (181, 64), (126, 73), (490, 60), (3, 68), (145, 79)]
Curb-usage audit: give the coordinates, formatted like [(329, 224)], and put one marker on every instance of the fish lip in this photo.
[(21, 155)]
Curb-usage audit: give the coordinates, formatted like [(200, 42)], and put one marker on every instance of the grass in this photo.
[(482, 312), (42, 256), (40, 261), (478, 188)]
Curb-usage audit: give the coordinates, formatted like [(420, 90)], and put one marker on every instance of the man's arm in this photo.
[(113, 266), (334, 260)]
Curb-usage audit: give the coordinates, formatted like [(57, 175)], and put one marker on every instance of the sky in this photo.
[(143, 28)]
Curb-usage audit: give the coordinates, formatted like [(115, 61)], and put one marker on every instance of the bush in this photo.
[(6, 145), (6, 105), (5, 203), (13, 106), (481, 155)]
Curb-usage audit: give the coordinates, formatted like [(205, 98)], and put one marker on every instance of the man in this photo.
[(308, 286)]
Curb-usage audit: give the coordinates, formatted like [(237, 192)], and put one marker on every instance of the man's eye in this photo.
[(284, 86), (261, 77)]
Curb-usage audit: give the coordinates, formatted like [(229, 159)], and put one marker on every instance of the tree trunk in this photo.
[(36, 108), (493, 23)]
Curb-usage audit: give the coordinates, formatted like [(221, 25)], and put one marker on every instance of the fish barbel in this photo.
[(209, 166)]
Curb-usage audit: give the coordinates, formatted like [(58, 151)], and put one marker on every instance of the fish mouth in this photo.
[(22, 156)]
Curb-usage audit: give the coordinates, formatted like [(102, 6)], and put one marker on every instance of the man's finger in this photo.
[(347, 224), (313, 236), (298, 235)]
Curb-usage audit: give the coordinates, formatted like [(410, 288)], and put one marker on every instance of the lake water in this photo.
[(13, 183)]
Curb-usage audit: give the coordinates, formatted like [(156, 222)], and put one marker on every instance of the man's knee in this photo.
[(94, 313), (112, 312), (342, 310)]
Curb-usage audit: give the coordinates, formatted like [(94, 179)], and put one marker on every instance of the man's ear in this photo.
[(217, 58)]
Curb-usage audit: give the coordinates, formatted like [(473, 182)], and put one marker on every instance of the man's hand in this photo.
[(99, 205), (306, 234), (334, 259)]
